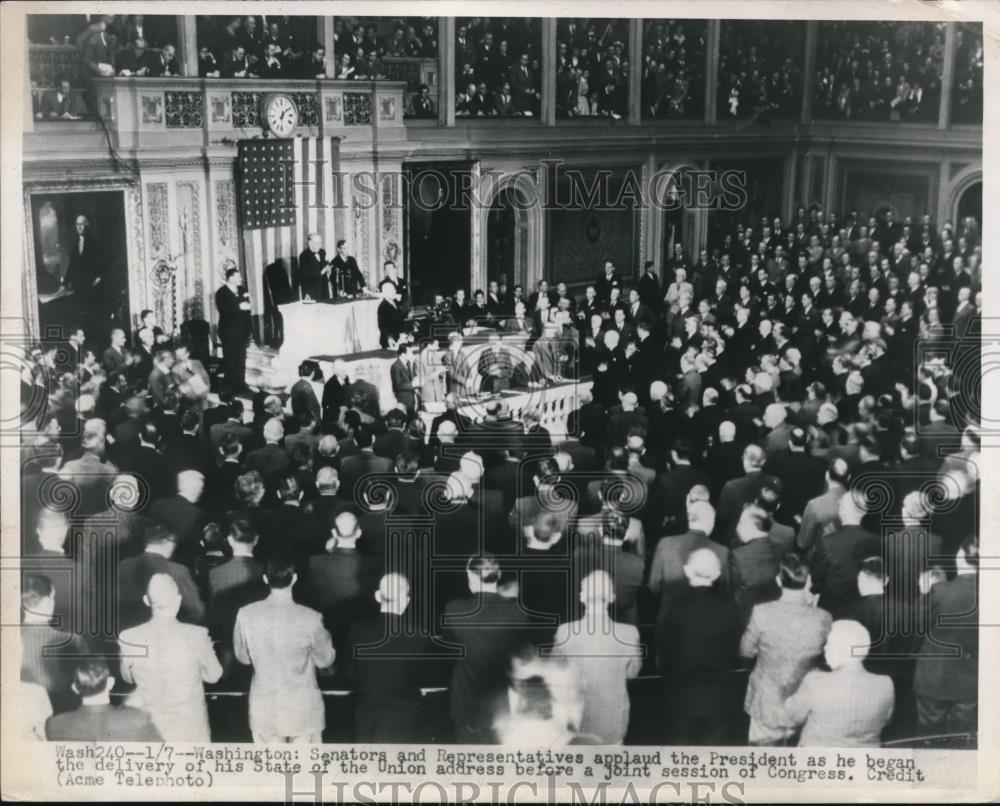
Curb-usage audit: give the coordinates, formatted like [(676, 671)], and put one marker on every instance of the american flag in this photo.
[(287, 190)]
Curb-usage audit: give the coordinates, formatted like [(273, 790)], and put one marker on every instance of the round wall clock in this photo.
[(281, 115)]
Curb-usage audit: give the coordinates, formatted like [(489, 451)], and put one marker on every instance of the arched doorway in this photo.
[(507, 239), (680, 223), (970, 204)]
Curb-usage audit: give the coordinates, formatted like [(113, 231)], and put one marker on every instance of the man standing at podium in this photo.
[(314, 271), (345, 275), (233, 303)]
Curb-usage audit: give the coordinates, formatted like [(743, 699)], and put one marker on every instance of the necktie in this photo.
[(81, 245)]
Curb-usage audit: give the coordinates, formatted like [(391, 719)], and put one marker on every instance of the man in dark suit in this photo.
[(838, 557), (62, 103), (394, 442), (390, 657), (303, 396), (650, 290), (165, 64), (233, 304), (390, 316), (496, 366), (85, 270), (403, 374), (134, 574), (354, 468), (345, 274), (741, 491), (188, 451), (698, 645), (314, 270), (97, 720), (271, 460), (668, 494), (339, 580), (232, 425), (522, 83), (181, 515), (619, 425), (479, 679), (802, 475), (946, 684)]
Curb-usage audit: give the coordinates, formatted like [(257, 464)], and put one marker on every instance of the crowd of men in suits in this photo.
[(757, 77), (498, 67), (592, 68), (766, 472), (673, 67), (880, 70)]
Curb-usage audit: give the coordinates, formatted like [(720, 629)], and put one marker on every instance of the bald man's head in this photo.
[(162, 595)]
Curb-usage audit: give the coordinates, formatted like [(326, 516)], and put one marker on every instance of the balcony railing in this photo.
[(140, 109)]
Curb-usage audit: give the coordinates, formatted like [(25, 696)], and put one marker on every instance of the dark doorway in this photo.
[(507, 240), (970, 204), (438, 230), (88, 290)]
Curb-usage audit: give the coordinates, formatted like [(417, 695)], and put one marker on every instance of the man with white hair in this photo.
[(697, 644), (271, 460), (90, 474), (776, 422), (630, 418), (169, 662), (181, 514), (739, 492), (605, 655), (847, 706), (907, 548), (390, 657)]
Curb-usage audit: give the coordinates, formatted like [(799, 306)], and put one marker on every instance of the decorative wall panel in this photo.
[(191, 288), (156, 203), (184, 110), (357, 109)]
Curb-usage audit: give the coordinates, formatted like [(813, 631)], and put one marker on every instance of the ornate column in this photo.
[(712, 71), (635, 76), (187, 44), (446, 71), (809, 70), (548, 71), (947, 76)]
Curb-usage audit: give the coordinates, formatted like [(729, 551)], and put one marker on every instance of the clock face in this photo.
[(282, 115)]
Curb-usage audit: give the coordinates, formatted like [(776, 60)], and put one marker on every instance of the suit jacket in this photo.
[(391, 658), (311, 281), (188, 452), (488, 627), (170, 674), (951, 675), (390, 322), (303, 399), (351, 277), (354, 468), (753, 567), (83, 269), (819, 516), (394, 442), (245, 435), (735, 494), (54, 103), (787, 640), (184, 519), (836, 561), (271, 461), (234, 324), (847, 707), (402, 376), (697, 644), (285, 643), (102, 723)]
